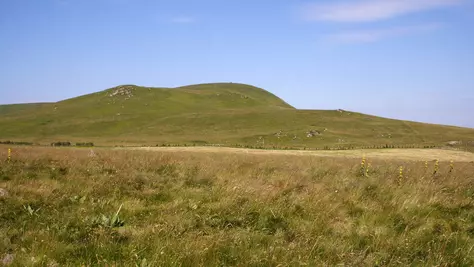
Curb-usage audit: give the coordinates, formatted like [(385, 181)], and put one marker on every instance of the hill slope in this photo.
[(222, 113)]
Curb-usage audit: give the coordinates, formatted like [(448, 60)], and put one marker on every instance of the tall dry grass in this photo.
[(208, 209)]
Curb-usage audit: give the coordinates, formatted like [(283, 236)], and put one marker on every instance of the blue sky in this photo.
[(407, 59)]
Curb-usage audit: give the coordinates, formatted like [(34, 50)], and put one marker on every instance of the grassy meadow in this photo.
[(75, 207)]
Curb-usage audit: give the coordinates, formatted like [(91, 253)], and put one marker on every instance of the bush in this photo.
[(16, 143), (61, 144)]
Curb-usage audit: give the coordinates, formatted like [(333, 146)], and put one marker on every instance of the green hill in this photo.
[(221, 113)]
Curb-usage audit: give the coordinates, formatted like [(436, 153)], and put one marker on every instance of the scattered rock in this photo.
[(3, 193), (312, 133), (8, 259), (453, 143), (280, 134), (124, 90)]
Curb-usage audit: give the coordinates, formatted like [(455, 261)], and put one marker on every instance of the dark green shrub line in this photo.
[(326, 147), (61, 144), (20, 143)]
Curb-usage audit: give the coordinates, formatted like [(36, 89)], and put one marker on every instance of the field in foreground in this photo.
[(58, 207)]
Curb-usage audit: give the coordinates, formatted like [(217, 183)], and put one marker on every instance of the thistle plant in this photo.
[(451, 166), (426, 166), (9, 157)]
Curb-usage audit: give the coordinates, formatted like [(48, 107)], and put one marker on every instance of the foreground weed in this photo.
[(400, 175), (436, 167), (77, 199), (143, 263), (364, 167), (110, 221), (425, 169), (9, 155), (30, 210), (451, 166)]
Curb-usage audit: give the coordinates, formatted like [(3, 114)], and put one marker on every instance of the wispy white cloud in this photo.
[(374, 35), (183, 20), (370, 10)]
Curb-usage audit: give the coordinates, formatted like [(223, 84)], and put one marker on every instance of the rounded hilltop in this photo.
[(245, 91), (210, 95)]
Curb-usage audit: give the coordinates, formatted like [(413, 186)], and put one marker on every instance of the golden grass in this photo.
[(399, 154), (203, 208)]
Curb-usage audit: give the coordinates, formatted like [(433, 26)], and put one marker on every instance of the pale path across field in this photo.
[(405, 154)]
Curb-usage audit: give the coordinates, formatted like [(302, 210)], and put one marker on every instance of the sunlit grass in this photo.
[(71, 207)]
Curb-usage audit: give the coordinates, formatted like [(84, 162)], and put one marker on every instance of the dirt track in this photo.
[(407, 154)]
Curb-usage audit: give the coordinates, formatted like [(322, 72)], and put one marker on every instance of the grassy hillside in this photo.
[(208, 113)]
